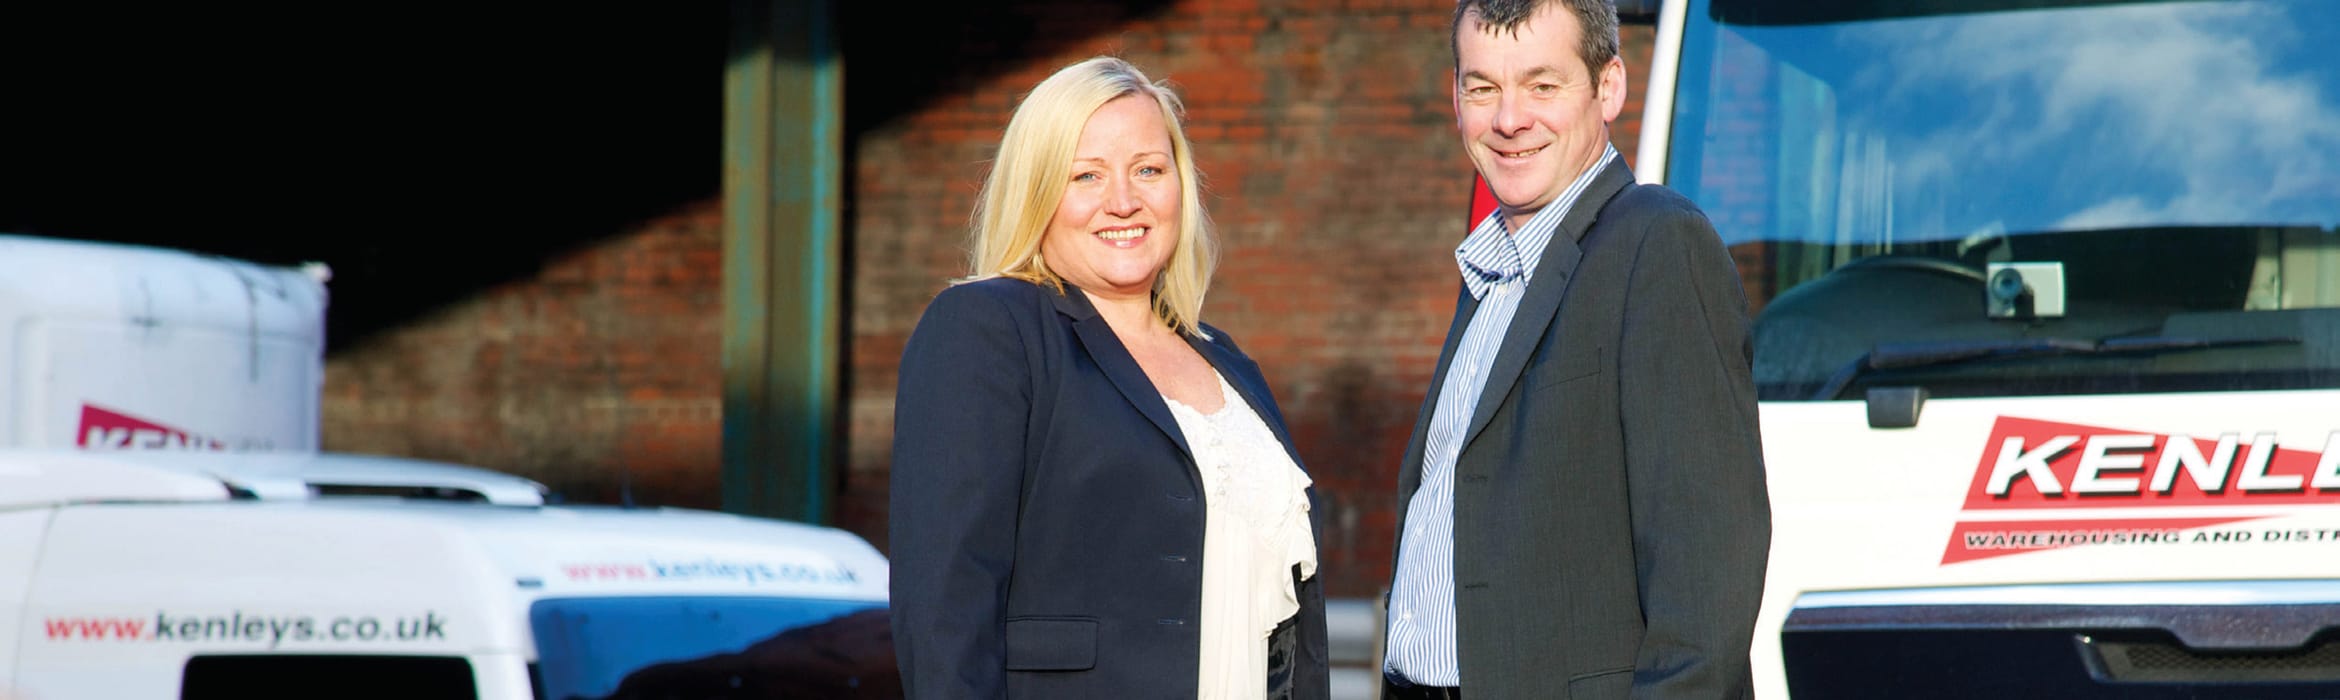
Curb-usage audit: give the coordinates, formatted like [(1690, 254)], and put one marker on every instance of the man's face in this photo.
[(1532, 117)]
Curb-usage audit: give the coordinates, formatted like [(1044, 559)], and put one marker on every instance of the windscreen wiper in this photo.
[(1886, 356)]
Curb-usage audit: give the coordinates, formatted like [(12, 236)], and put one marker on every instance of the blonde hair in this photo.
[(1027, 179)]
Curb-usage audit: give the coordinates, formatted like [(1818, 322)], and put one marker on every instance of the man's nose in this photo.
[(1511, 115)]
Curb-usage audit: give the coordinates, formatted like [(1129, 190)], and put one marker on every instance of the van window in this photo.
[(709, 647), (241, 677)]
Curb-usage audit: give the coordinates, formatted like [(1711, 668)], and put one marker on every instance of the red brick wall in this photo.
[(1325, 133), (601, 370)]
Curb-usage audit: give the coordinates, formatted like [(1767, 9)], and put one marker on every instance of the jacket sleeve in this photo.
[(1701, 515), (1312, 680), (960, 415)]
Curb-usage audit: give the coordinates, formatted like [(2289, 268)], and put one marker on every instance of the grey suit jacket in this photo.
[(1610, 517)]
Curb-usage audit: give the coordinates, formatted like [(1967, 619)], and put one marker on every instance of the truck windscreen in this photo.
[(1994, 171)]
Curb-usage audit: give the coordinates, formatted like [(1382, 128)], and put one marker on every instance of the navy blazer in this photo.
[(1046, 514)]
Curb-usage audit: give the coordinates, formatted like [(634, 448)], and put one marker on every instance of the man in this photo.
[(1585, 513)]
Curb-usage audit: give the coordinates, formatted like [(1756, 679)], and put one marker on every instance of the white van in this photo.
[(158, 575), (169, 530)]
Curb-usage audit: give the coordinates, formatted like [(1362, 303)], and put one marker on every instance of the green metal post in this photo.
[(783, 268)]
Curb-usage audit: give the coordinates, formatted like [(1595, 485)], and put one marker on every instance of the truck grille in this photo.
[(2167, 662)]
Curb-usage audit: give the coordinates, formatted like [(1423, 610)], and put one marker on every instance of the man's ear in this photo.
[(1612, 89), (1455, 93)]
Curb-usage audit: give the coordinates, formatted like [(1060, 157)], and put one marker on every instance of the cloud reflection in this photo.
[(2149, 114)]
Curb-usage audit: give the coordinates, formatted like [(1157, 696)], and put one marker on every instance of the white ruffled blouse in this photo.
[(1256, 530)]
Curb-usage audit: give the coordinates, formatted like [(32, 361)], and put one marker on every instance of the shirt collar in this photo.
[(1491, 255)]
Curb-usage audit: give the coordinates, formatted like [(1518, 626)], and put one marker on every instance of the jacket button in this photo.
[(1174, 557), (1170, 621)]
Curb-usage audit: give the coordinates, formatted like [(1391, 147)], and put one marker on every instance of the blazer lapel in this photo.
[(1542, 301), (1114, 358)]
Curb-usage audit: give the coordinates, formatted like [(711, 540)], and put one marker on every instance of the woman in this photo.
[(1093, 493)]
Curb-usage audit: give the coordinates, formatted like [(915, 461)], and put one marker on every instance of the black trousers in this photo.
[(1283, 652), (1395, 688)]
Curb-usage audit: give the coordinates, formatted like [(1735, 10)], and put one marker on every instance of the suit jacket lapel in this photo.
[(1111, 356), (1542, 301)]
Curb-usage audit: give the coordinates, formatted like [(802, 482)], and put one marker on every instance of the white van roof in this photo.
[(37, 477), (41, 478), (157, 498), (122, 554)]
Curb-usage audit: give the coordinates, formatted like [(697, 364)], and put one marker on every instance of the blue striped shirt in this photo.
[(1496, 268)]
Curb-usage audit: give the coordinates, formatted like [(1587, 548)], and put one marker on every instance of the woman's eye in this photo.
[(1085, 177), (1151, 171)]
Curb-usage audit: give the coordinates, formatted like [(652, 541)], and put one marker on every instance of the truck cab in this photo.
[(2046, 302)]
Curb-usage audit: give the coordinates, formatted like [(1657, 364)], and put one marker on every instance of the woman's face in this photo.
[(1118, 223)]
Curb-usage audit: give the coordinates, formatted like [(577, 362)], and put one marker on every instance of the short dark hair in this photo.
[(1597, 20)]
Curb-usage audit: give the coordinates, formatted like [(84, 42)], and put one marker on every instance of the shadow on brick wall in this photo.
[(425, 154), (899, 60)]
